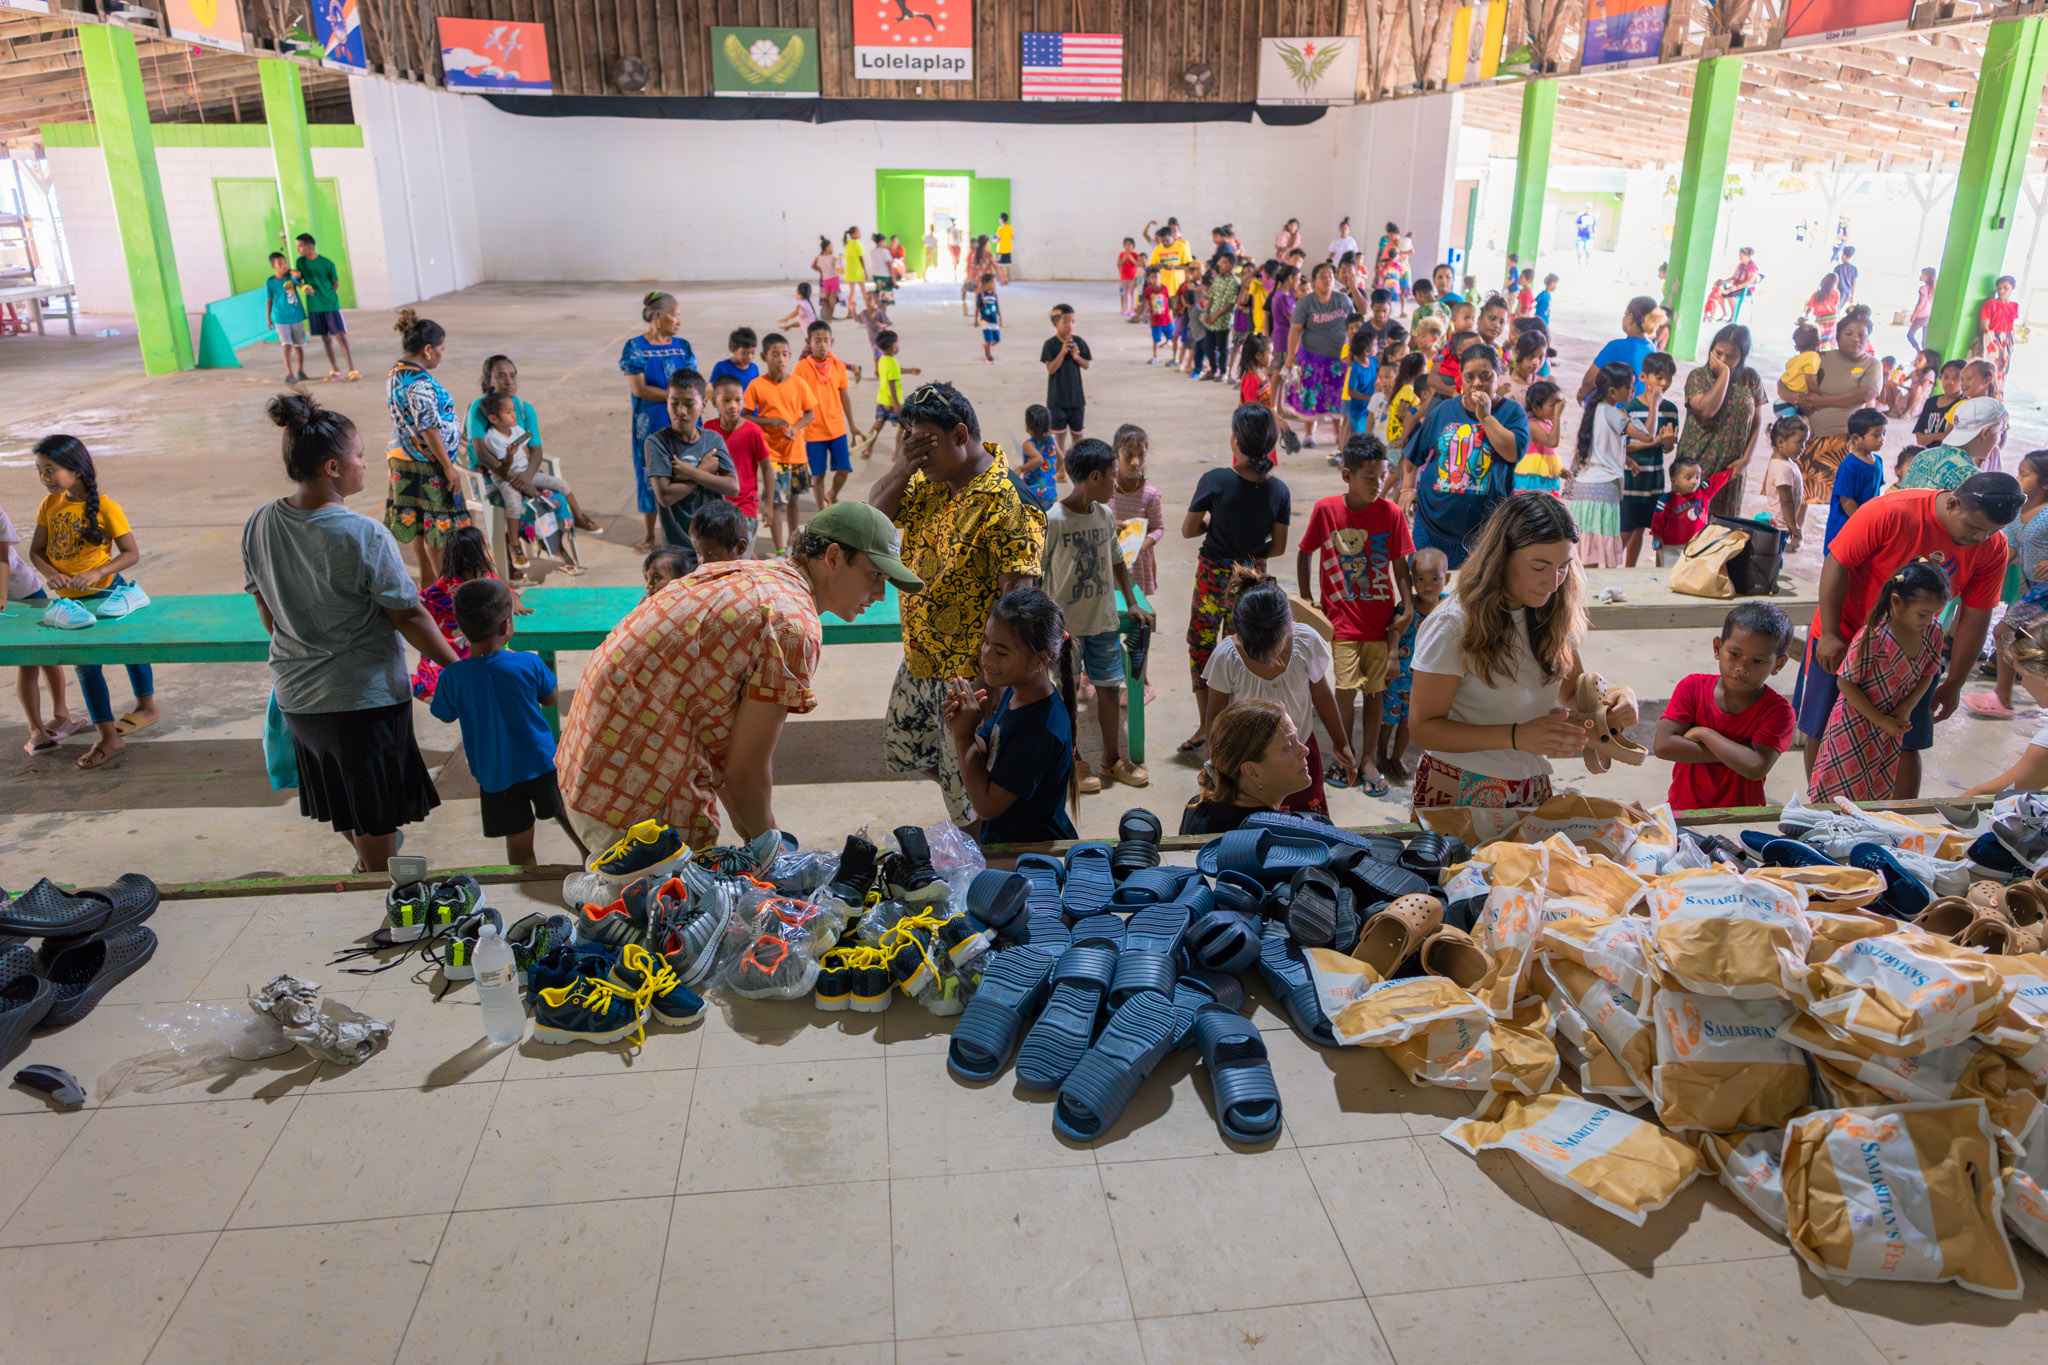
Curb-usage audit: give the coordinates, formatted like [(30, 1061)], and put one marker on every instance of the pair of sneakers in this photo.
[(592, 993), (74, 613), (530, 940), (429, 909)]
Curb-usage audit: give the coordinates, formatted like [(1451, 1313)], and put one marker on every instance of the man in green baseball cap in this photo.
[(860, 528)]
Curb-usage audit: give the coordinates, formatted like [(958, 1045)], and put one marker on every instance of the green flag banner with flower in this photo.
[(1308, 70), (765, 62)]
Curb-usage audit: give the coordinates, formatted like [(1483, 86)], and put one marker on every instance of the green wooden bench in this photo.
[(225, 628), (230, 324)]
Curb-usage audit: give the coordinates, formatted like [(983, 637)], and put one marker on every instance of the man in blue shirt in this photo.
[(1460, 460)]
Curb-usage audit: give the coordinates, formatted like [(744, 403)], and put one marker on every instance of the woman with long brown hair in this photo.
[(1256, 761), (1497, 666)]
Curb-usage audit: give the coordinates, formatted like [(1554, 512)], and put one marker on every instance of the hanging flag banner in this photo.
[(1815, 21), (209, 23), (340, 30), (1477, 32), (1308, 71), (1624, 33), (489, 54), (913, 40), (1073, 66), (766, 63)]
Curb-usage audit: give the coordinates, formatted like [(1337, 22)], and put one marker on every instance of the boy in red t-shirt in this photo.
[(1722, 733), (1365, 544), (748, 451)]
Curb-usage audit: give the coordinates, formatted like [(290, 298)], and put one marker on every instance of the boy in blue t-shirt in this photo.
[(743, 344), (497, 695), (989, 309), (285, 311), (1858, 478)]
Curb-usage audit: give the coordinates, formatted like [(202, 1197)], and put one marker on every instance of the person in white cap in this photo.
[(1976, 426)]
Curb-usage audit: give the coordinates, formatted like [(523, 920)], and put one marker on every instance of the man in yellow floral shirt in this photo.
[(969, 534)]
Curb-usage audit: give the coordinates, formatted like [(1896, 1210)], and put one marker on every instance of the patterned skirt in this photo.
[(1437, 783), (1817, 466), (1596, 507), (1205, 613), (1320, 389), (420, 503)]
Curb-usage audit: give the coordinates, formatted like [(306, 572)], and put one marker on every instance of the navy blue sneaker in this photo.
[(588, 1007), (649, 848), (667, 1000)]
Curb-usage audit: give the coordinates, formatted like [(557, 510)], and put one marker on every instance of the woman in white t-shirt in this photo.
[(1342, 243), (1597, 467), (1497, 665), (1269, 656)]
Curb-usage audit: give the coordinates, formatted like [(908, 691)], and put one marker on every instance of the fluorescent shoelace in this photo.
[(656, 976), (902, 932), (646, 832), (596, 993)]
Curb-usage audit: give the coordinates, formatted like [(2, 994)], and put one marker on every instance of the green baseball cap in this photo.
[(858, 526)]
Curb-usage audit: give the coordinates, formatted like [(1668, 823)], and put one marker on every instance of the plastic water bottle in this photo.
[(497, 986)]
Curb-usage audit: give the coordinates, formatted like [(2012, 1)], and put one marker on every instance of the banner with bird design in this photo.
[(1308, 71), (208, 23), (495, 55), (766, 63), (913, 40)]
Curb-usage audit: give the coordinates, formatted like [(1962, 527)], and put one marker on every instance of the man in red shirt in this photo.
[(1958, 533), (751, 462)]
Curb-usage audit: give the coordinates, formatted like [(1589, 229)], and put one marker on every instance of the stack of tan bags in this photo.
[(1871, 1091)]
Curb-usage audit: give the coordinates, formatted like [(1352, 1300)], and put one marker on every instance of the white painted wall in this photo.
[(634, 199), (418, 140), (93, 240)]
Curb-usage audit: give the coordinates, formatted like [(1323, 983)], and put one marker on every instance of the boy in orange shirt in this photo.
[(825, 441), (783, 404)]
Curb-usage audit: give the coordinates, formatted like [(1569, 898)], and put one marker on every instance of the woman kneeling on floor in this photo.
[(1256, 761)]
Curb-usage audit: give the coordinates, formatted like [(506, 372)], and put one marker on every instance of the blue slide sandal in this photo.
[(1150, 960), (997, 898), (1286, 975), (1066, 1026), (1382, 846), (1261, 854), (1102, 1082), (1199, 990), (1223, 941), (1240, 1075), (1089, 883), (1012, 991), (1156, 886)]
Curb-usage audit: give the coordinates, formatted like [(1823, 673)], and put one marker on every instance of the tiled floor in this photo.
[(786, 1185)]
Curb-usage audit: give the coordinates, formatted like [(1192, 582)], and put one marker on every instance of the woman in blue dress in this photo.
[(424, 504), (647, 362)]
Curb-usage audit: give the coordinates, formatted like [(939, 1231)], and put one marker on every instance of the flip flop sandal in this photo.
[(1792, 853), (1202, 990), (1286, 974), (1905, 895), (1263, 854), (1949, 917), (1344, 938), (1984, 706), (1089, 883), (47, 744), (1451, 954), (1237, 892), (1396, 933), (1066, 1027), (1140, 825), (1133, 856), (1150, 958), (130, 723), (1425, 856), (1042, 930), (1223, 941), (1155, 886), (1013, 988), (1240, 1076), (1312, 908), (1378, 787), (1197, 897), (133, 898), (1094, 1093), (1375, 882), (997, 898), (96, 758), (1382, 846), (1333, 776), (83, 975), (43, 911)]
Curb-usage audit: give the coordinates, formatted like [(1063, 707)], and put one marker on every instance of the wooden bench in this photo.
[(225, 628), (34, 295)]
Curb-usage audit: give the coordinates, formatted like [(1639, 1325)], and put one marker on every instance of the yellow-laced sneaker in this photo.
[(648, 849)]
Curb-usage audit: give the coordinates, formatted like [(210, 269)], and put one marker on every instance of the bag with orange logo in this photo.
[(1721, 1065), (1901, 1192), (1510, 1055), (2026, 1186), (1612, 1015), (2021, 1031), (1621, 1164), (1835, 929), (1721, 933), (1367, 1011), (1615, 950), (1751, 1167), (1969, 1070), (1829, 887), (1508, 926), (1904, 993)]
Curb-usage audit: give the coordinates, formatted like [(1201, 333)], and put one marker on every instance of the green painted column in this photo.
[(284, 108), (1714, 86), (1988, 186), (1532, 169), (113, 80)]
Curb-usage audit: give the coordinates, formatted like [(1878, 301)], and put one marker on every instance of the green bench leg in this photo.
[(554, 715), (1134, 711)]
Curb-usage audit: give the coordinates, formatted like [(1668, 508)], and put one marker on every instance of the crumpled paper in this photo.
[(332, 1032)]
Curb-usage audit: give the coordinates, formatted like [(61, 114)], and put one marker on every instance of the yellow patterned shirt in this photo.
[(961, 545)]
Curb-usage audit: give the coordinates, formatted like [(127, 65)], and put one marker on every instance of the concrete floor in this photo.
[(190, 455), (776, 1180)]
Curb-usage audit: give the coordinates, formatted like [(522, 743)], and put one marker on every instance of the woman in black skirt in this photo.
[(337, 602)]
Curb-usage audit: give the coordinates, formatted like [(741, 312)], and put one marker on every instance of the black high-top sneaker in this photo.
[(850, 885), (909, 876)]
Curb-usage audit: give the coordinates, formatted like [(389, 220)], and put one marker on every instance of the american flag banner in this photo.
[(1073, 66)]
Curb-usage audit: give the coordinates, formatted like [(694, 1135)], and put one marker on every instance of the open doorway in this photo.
[(907, 202), (945, 208)]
